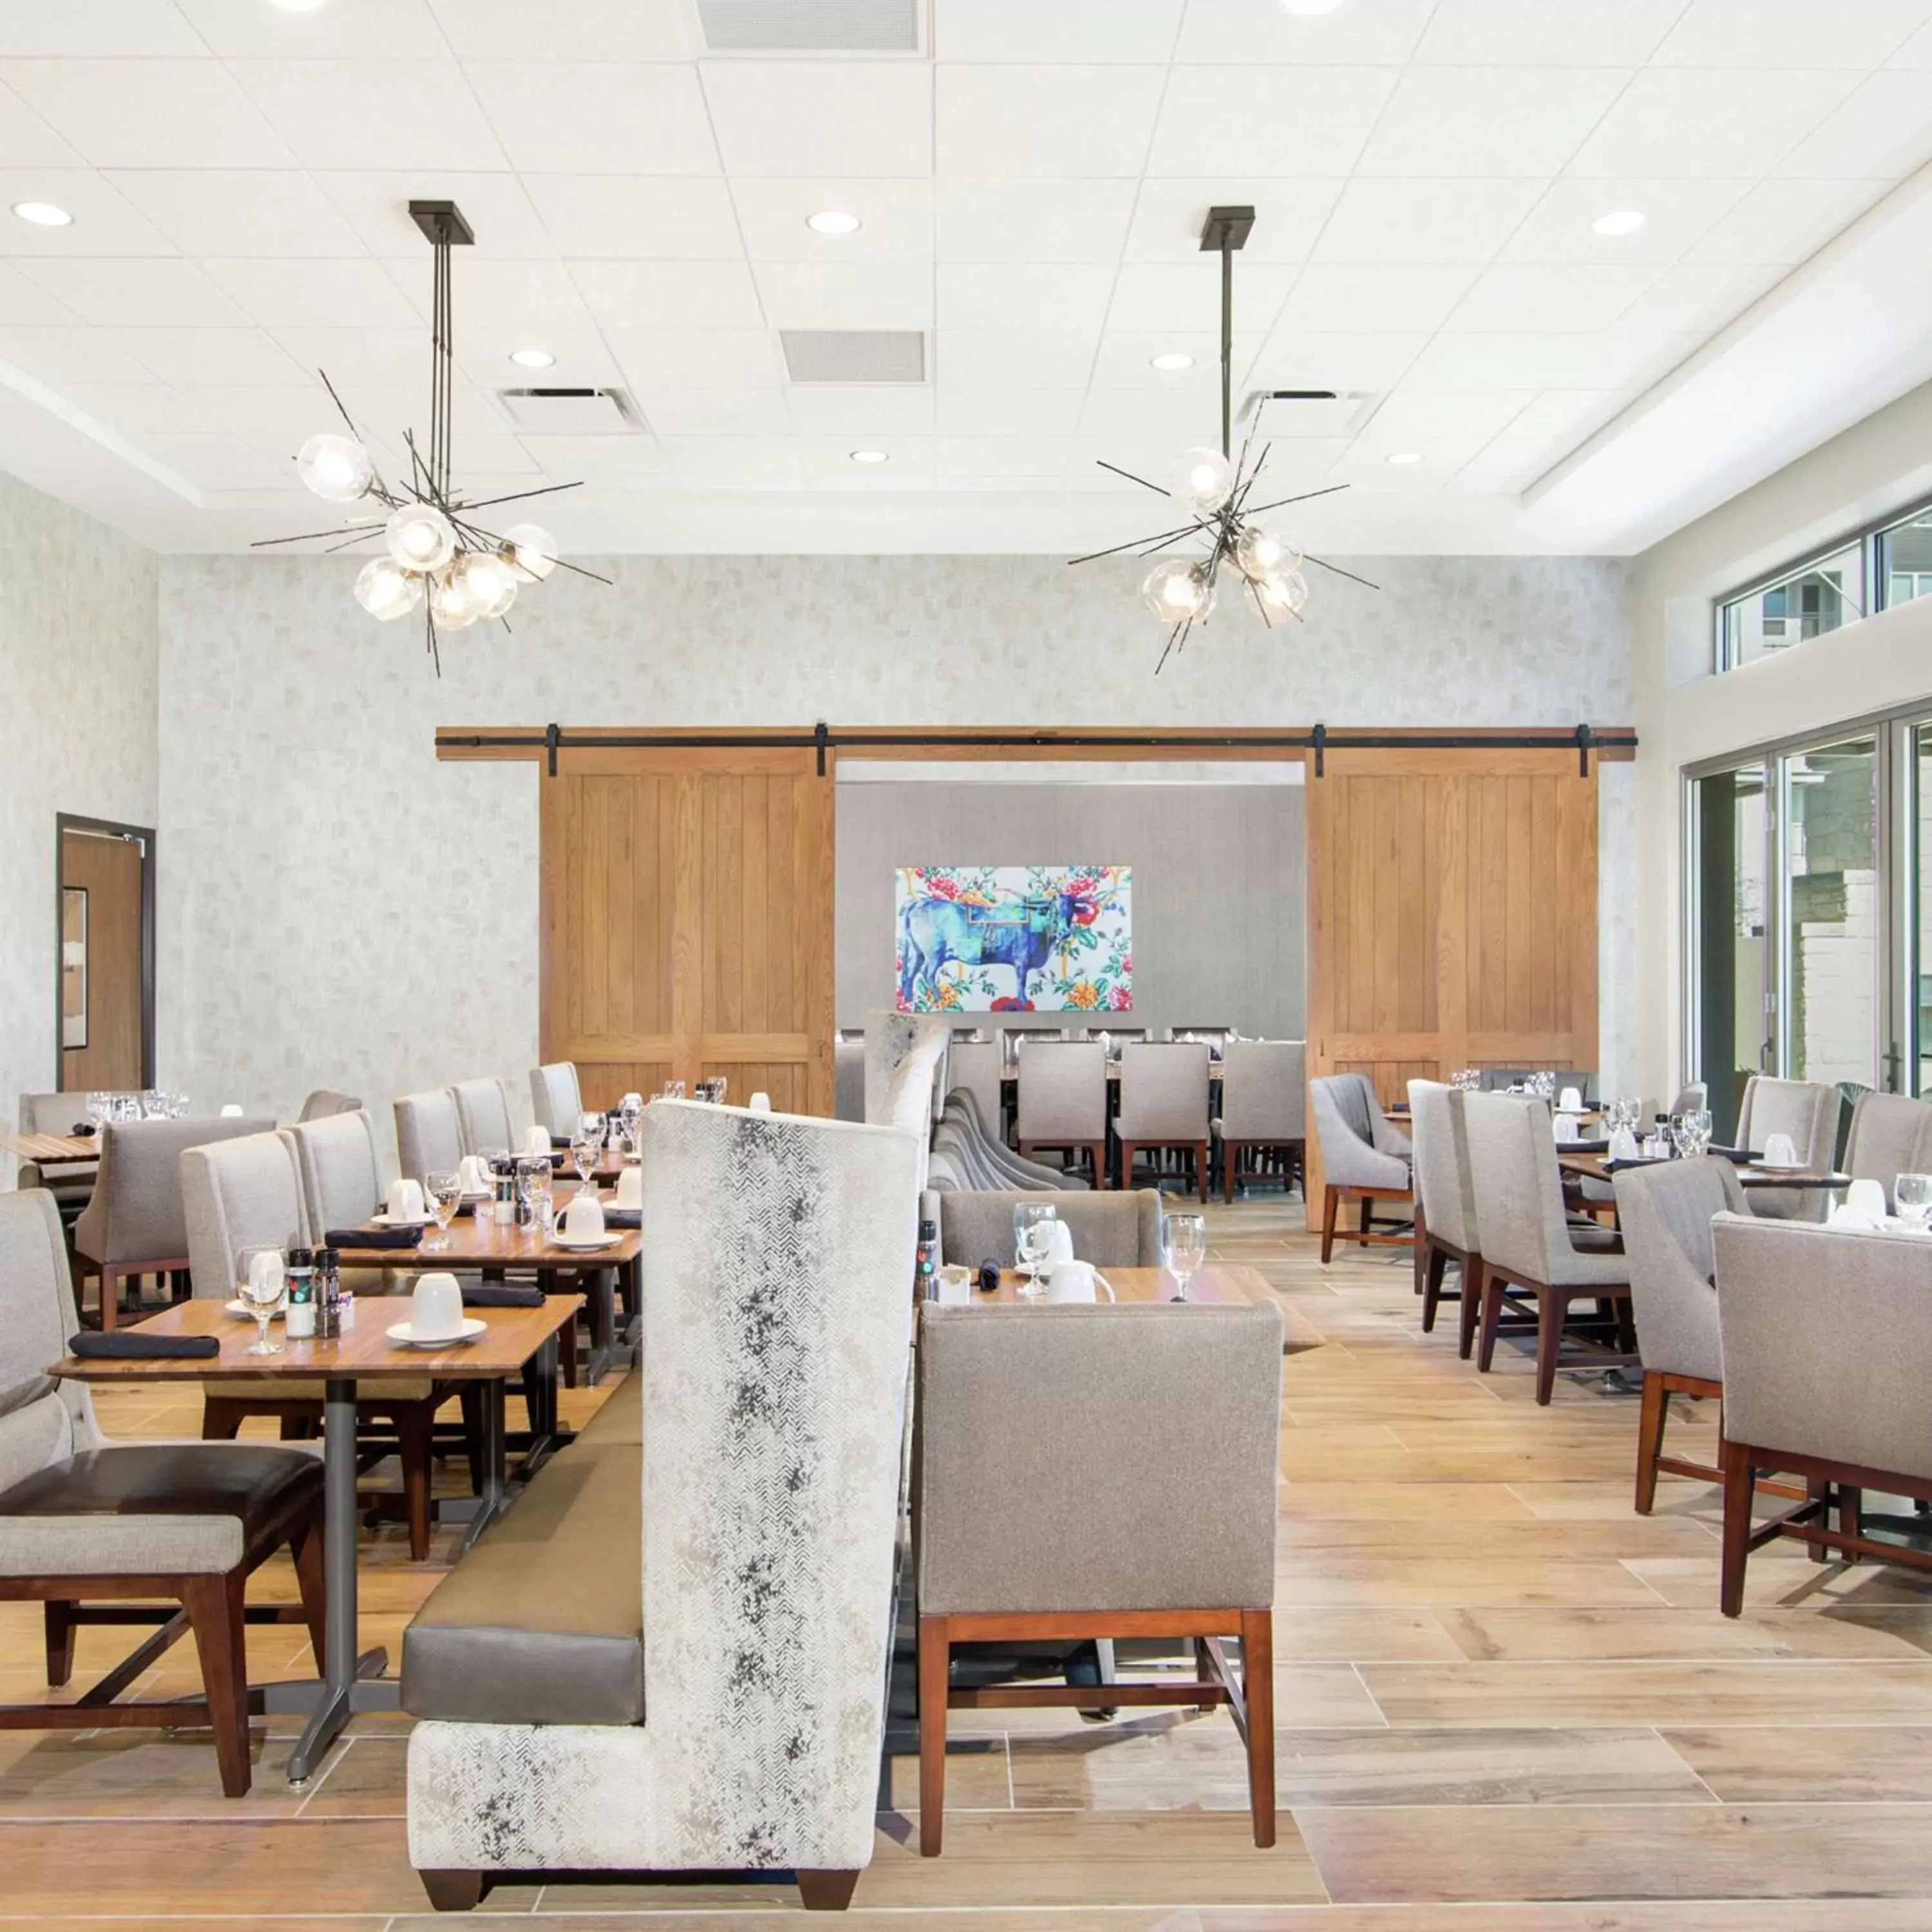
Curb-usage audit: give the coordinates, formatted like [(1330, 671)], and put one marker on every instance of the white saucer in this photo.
[(238, 1306), (608, 1239), (471, 1327), (386, 1220)]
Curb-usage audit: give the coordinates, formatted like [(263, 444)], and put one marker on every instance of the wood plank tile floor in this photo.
[(1472, 1626)]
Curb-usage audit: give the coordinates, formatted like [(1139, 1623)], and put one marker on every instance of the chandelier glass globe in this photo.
[(1203, 480), (1282, 594), (385, 590), (450, 607), (1259, 554), (533, 550), (420, 537), (1178, 592), (337, 468), (485, 582)]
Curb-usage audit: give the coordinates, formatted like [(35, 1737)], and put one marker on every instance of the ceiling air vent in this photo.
[(810, 26), (854, 355), (571, 412), (1308, 411)]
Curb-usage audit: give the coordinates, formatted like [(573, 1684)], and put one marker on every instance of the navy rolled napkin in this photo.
[(373, 1237), (83, 1130), (128, 1345), (561, 1142), (501, 1294), (623, 1217), (989, 1276)]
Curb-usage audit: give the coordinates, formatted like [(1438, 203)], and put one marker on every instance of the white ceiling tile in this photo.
[(637, 216), (597, 459), (1270, 121), (1915, 53), (821, 117), (1696, 297), (212, 458), (233, 211), (63, 356), (321, 295), (1529, 298), (736, 462), (1790, 33), (342, 30), (1038, 221), (376, 206), (1785, 221), (1545, 33), (966, 457), (1365, 467), (1126, 360), (1329, 297), (484, 349), (1077, 30), (134, 407), (104, 222), (1361, 360), (1369, 33), (1554, 425), (1018, 122), (689, 295), (1288, 216), (826, 463), (1495, 121), (1013, 358), (287, 415), (26, 141), (363, 114), (1669, 122), (844, 295), (873, 409), (1184, 418), (1148, 458), (572, 30), (188, 357), (1423, 417), (1602, 361), (714, 412), (1153, 296), (163, 291), (725, 358), (1022, 412), (895, 218), (1422, 220), (356, 360), (148, 114), (526, 297), (1023, 295), (596, 118), (119, 28), (26, 304), (1675, 214), (1883, 132)]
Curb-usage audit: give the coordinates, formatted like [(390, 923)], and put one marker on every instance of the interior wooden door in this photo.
[(1453, 916), (101, 942), (688, 922)]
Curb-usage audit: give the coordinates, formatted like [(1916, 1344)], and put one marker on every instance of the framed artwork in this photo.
[(73, 966), (998, 939)]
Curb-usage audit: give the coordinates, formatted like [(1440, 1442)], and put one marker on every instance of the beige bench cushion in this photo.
[(543, 1621), (620, 1421)]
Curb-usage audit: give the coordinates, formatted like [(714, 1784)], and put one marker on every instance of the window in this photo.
[(1905, 559)]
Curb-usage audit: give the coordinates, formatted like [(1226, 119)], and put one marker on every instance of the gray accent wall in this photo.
[(1218, 886)]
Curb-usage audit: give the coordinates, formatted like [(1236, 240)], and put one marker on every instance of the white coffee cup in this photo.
[(1565, 1126), (630, 1188), (583, 1219), (406, 1200), (537, 1141), (435, 1308), (233, 1111), (1623, 1144), (1571, 1100), (1865, 1201), (473, 1173), (1059, 1244), (759, 1103), (1780, 1150), (955, 1286), (1073, 1281)]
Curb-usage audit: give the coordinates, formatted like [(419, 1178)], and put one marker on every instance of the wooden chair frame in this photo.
[(1552, 1317), (1249, 1699), (1294, 1162), (1333, 1195), (112, 1275), (1658, 1387), (1096, 1152), (1196, 1151)]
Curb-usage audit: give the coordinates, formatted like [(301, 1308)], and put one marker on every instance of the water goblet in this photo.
[(264, 1286), (585, 1146), (1183, 1247), (1913, 1194), (442, 1191), (1031, 1220)]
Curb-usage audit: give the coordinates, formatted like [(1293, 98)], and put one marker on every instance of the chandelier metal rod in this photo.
[(1227, 342)]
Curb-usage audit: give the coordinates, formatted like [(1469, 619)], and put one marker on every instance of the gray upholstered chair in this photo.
[(969, 1158), (429, 1133), (1095, 1517), (974, 1067), (556, 1099), (483, 1109), (1890, 1135), (1446, 1227), (1264, 1106), (134, 1225), (1111, 1230), (848, 1079), (340, 1175), (84, 1521), (1063, 1102), (1362, 1157), (1826, 1335), (1807, 1110), (324, 1102), (1693, 1096), (1527, 1242), (1164, 1104), (1666, 1213), (70, 1182)]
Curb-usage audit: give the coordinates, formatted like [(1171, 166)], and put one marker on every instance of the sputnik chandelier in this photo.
[(1213, 490), (437, 557)]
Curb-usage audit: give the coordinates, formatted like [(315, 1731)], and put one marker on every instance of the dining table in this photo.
[(1215, 1285), (53, 1149), (363, 1357), (1753, 1174)]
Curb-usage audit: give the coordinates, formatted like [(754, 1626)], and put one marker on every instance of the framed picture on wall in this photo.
[(1023, 939), (73, 966)]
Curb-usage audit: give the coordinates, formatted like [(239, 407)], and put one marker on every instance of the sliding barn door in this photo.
[(1453, 915), (688, 922)]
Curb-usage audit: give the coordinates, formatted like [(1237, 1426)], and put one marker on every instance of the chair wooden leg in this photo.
[(1851, 1513), (1201, 1170), (220, 1420), (1418, 1253), (826, 1891), (1435, 1266), (307, 1549), (1819, 1488), (58, 1614), (1258, 1696), (1368, 1220), (214, 1606), (1492, 1317), (1230, 1160), (935, 1658), (1650, 1440), (110, 1294), (453, 1890), (1551, 1305), (1330, 1199), (416, 1430), (1470, 1306), (1128, 1149), (1739, 1490)]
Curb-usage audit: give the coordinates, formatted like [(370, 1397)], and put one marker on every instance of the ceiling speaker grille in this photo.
[(810, 26), (854, 355)]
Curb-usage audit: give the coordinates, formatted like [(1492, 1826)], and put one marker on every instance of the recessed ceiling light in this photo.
[(1405, 456), (1618, 221), (43, 214), (869, 456), (1173, 358), (529, 358), (1311, 7), (832, 221)]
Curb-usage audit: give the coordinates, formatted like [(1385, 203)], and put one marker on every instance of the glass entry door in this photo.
[(1736, 1020)]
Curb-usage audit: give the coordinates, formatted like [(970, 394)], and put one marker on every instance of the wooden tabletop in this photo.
[(484, 1243), (363, 1352), (1591, 1167), (1219, 1284), (51, 1149)]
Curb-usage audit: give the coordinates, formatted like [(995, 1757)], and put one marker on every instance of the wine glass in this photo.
[(99, 1107), (674, 1090), (264, 1287), (630, 1116), (533, 1182), (1913, 1192), (585, 1144), (1031, 1220), (1183, 1247), (1697, 1129), (721, 1085), (443, 1190)]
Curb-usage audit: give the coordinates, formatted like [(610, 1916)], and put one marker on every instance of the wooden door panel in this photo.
[(109, 870)]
